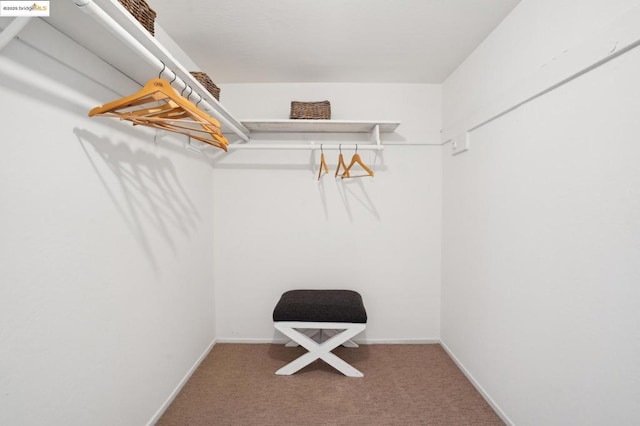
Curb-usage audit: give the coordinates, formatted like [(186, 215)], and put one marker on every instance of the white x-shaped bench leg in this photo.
[(317, 335), (319, 350), (314, 334)]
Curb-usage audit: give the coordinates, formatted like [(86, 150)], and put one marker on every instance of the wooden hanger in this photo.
[(173, 116), (356, 159), (203, 134), (169, 108), (166, 110), (195, 129), (323, 164), (184, 120), (342, 164)]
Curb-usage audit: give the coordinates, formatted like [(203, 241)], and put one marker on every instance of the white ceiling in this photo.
[(394, 41)]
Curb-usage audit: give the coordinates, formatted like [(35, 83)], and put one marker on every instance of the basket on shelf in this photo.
[(142, 12), (310, 110), (204, 79)]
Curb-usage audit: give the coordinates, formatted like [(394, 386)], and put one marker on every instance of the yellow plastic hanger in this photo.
[(356, 160), (191, 121), (342, 164), (323, 164)]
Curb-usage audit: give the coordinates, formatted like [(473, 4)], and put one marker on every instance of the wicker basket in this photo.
[(204, 79), (310, 110), (142, 12)]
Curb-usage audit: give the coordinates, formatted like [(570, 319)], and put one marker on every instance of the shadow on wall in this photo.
[(352, 191), (147, 192)]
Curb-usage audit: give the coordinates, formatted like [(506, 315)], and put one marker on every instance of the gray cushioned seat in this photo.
[(320, 306)]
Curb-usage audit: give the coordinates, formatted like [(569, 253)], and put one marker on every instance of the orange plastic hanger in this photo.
[(342, 164), (323, 164), (356, 160)]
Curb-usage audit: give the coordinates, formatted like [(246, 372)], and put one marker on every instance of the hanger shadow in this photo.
[(355, 189), (147, 191)]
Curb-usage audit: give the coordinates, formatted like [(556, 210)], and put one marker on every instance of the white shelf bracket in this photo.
[(12, 30), (375, 135)]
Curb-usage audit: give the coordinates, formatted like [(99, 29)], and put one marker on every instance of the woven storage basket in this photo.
[(142, 12), (310, 110), (204, 79)]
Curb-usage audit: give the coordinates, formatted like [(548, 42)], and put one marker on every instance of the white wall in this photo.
[(533, 37), (106, 295), (278, 228), (541, 227)]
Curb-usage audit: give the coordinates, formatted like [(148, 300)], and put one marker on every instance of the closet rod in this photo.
[(92, 9), (315, 147), (12, 30)]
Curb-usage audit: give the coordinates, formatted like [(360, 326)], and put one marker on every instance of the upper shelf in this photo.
[(109, 31), (318, 126)]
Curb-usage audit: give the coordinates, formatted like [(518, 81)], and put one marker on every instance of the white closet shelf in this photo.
[(107, 29), (318, 126), (374, 128)]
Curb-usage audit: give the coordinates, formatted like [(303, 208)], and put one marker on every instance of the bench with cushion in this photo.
[(307, 316)]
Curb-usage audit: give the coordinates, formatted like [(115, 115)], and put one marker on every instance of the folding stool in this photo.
[(304, 314)]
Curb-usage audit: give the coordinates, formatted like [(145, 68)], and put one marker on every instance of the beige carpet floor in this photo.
[(402, 385)]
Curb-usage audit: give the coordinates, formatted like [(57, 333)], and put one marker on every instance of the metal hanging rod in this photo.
[(311, 147), (12, 30)]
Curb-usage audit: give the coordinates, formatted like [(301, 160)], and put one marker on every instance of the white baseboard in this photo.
[(180, 385), (251, 340), (278, 341), (398, 341), (477, 385)]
